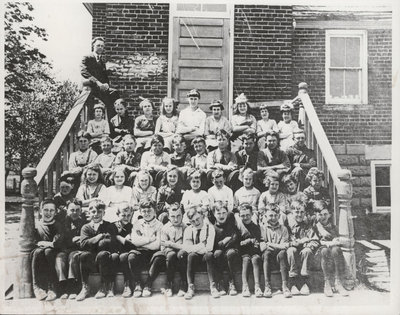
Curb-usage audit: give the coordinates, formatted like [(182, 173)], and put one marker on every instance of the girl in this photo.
[(92, 185), (286, 126), (144, 125), (121, 124), (168, 121), (128, 158), (264, 125), (98, 127), (142, 188), (215, 123), (291, 193), (170, 192), (114, 195), (195, 196)]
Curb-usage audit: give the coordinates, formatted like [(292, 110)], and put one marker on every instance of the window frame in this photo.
[(374, 164), (362, 34)]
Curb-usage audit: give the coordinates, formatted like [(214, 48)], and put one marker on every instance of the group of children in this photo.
[(174, 206)]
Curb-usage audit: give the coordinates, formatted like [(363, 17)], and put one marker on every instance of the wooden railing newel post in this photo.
[(26, 237), (302, 113)]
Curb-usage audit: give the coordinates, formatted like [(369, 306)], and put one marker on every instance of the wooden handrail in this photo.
[(55, 146)]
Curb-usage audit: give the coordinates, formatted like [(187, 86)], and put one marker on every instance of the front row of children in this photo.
[(68, 250)]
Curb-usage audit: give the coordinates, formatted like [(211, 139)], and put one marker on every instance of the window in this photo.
[(346, 67), (207, 10), (380, 184)]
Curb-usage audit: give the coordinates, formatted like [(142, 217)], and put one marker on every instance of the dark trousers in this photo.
[(101, 262), (332, 262), (141, 260), (299, 258), (226, 258), (176, 261), (43, 267), (271, 258), (194, 262), (255, 260)]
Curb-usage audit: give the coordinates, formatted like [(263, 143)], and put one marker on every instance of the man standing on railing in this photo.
[(301, 158), (94, 72)]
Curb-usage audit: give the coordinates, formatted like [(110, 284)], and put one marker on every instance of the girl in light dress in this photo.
[(286, 126), (168, 121)]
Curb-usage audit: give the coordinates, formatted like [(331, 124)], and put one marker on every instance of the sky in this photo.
[(69, 28)]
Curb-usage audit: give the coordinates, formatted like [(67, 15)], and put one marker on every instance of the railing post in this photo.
[(26, 236), (346, 228), (303, 89)]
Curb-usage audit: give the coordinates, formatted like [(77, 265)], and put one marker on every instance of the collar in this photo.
[(151, 222), (273, 227), (200, 155), (49, 223)]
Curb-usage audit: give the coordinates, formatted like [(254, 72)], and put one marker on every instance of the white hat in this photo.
[(287, 106), (241, 99)]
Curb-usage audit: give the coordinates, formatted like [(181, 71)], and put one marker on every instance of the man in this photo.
[(301, 158), (93, 70)]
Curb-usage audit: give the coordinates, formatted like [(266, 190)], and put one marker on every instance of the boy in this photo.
[(199, 160), (274, 242), (220, 192), (49, 238), (129, 158), (106, 159), (98, 241), (303, 244), (146, 237), (250, 237), (330, 251), (180, 157), (198, 243), (65, 195), (172, 248), (248, 193), (226, 246)]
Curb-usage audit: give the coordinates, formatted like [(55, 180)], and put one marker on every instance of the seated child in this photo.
[(330, 251), (248, 193), (286, 126), (272, 195), (198, 243), (121, 124), (199, 160), (146, 237), (274, 243), (98, 242), (67, 261), (65, 195), (156, 160), (144, 125), (315, 191), (98, 127), (215, 123), (180, 157), (195, 196), (106, 159), (291, 193), (220, 192), (302, 246), (128, 158), (250, 237), (49, 239), (264, 126), (172, 248), (168, 121), (226, 248), (142, 189)]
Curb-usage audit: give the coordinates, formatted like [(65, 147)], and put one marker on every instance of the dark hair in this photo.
[(319, 205), (218, 205), (223, 133), (249, 136), (314, 171), (192, 211), (174, 107), (198, 139), (289, 177), (175, 206), (272, 134), (106, 139), (98, 204), (94, 167), (178, 138), (245, 206), (47, 201), (120, 101), (147, 203), (272, 207), (117, 169), (83, 134), (74, 201), (96, 39), (236, 112), (156, 139)]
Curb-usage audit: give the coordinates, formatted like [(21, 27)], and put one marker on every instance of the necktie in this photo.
[(197, 240)]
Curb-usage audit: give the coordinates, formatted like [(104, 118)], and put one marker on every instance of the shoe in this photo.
[(84, 292), (285, 290), (64, 296), (138, 291), (181, 293), (258, 292), (51, 294), (267, 291), (340, 289), (110, 290), (295, 290), (72, 296), (127, 291), (232, 289), (305, 290), (101, 293), (246, 291), (214, 292), (168, 292), (146, 292), (328, 289), (190, 292), (221, 289), (40, 294)]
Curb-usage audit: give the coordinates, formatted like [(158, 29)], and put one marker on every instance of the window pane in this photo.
[(382, 175), (337, 51), (352, 84), (189, 7), (214, 7), (383, 196), (352, 52), (336, 83)]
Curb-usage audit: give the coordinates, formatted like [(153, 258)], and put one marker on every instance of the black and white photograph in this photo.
[(200, 157)]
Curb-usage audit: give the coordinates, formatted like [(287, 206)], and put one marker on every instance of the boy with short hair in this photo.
[(199, 160), (65, 195), (303, 244), (98, 242), (198, 242), (248, 193), (220, 192), (128, 157), (106, 159), (274, 242), (49, 239)]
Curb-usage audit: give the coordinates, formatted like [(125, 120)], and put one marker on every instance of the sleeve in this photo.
[(230, 200), (88, 241), (285, 235), (187, 160), (202, 124), (228, 126), (72, 161), (89, 127), (60, 236), (187, 237), (211, 238), (261, 202), (144, 160), (164, 236), (253, 122), (92, 156), (210, 160), (85, 72), (207, 127), (106, 127), (79, 194)]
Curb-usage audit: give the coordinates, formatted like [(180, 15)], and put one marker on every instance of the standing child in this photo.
[(142, 189), (248, 193), (146, 237), (121, 124), (106, 159), (98, 127), (215, 123), (198, 243), (274, 243), (128, 158), (250, 237), (92, 185), (172, 249), (144, 125), (220, 192), (98, 242), (49, 239), (264, 126), (330, 251), (168, 121), (286, 126), (302, 246)]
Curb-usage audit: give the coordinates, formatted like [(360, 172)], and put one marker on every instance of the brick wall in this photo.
[(136, 36), (369, 125), (263, 52)]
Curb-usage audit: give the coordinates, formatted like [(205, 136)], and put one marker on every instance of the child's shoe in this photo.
[(181, 293), (328, 289), (138, 291), (257, 291), (127, 290), (295, 290), (146, 292), (168, 292), (72, 296), (285, 290), (64, 296), (84, 292), (220, 288), (214, 292), (190, 292), (340, 289), (40, 294), (101, 293), (51, 294), (232, 289), (305, 290), (110, 290), (267, 291), (246, 291)]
